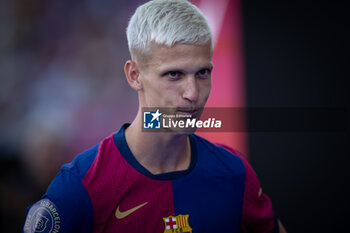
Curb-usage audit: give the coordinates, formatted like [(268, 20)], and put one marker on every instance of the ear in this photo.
[(133, 75)]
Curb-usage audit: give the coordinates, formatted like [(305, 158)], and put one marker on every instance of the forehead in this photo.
[(180, 56)]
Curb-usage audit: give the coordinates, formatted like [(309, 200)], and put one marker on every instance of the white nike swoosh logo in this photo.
[(119, 214)]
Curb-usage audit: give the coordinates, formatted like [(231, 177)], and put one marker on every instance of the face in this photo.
[(178, 77)]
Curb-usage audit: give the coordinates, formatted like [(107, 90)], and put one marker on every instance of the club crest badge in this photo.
[(39, 222), (43, 217), (177, 224)]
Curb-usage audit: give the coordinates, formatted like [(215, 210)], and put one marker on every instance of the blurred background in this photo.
[(63, 90)]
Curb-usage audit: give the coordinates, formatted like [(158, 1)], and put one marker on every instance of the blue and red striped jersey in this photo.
[(105, 189)]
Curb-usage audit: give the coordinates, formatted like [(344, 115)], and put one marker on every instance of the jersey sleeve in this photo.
[(65, 207), (257, 214)]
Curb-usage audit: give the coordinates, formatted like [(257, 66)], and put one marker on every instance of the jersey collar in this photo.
[(120, 141)]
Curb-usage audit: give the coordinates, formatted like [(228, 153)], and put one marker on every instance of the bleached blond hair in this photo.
[(166, 22)]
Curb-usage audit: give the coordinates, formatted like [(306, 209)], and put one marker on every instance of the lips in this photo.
[(187, 110), (194, 112)]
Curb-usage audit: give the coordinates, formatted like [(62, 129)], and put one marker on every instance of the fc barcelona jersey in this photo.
[(105, 189)]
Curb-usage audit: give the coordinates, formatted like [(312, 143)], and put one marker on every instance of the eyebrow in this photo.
[(167, 70)]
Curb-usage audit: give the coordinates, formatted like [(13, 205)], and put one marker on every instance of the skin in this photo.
[(179, 77), (281, 227)]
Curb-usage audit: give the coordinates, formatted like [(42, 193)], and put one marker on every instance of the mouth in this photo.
[(189, 111)]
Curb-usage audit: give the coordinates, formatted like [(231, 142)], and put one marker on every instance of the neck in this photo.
[(158, 152)]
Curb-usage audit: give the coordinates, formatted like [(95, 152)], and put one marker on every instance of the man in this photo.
[(140, 181)]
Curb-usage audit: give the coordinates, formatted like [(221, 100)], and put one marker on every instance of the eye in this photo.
[(204, 73), (173, 75)]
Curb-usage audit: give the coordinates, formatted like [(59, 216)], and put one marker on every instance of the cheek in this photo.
[(169, 91), (206, 88), (161, 93), (151, 88)]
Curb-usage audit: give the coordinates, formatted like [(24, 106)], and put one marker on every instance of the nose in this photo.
[(191, 89)]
